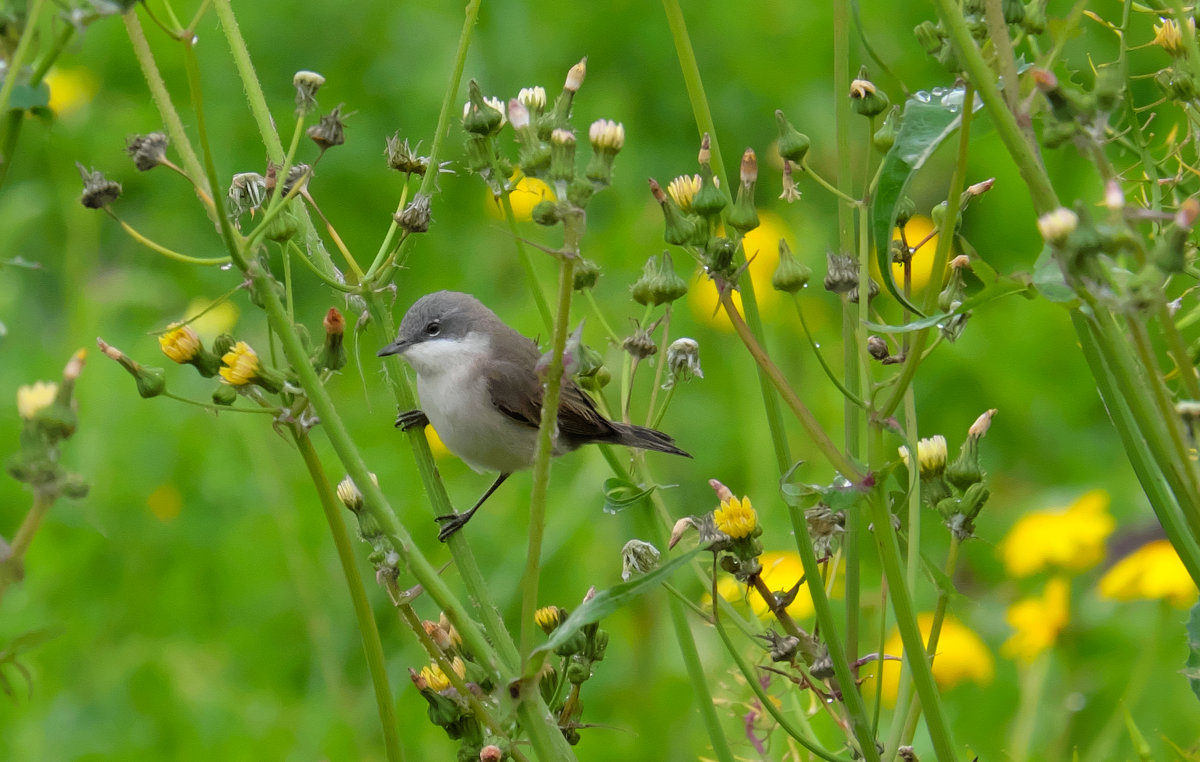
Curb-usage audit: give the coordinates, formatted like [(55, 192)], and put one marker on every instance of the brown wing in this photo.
[(517, 392)]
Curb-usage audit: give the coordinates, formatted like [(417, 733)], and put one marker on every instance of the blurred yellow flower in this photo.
[(1153, 571), (70, 89), (217, 320), (1037, 621), (33, 398), (961, 656), (1070, 538), (762, 251), (736, 518), (165, 502), (915, 231), (781, 571), (525, 195)]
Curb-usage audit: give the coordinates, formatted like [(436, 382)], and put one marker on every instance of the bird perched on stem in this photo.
[(478, 385)]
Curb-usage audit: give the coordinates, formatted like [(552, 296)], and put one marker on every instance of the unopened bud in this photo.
[(743, 217), (793, 144), (659, 283), (790, 275), (350, 495), (878, 348), (1057, 226), (306, 83), (151, 382), (576, 76)]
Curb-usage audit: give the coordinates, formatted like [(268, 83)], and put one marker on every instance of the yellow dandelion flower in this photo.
[(70, 89), (683, 189), (435, 678), (548, 618), (961, 657), (241, 365), (762, 250), (916, 231), (1037, 621), (1069, 538), (211, 320), (931, 455), (1151, 572), (180, 342), (525, 195), (33, 398), (736, 518)]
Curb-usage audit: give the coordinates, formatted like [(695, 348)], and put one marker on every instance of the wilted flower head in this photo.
[(247, 191), (98, 190), (404, 158), (330, 131), (147, 151), (683, 361)]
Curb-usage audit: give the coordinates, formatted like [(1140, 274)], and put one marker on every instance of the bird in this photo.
[(478, 386)]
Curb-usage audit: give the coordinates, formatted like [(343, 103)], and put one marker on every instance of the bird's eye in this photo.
[(433, 329)]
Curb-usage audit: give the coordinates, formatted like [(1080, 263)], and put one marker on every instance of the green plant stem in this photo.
[(906, 616), (699, 681), (10, 565), (547, 429), (254, 93), (168, 253), (821, 358), (765, 700), (819, 438), (535, 288), (844, 198), (1003, 120), (1033, 684), (860, 721), (365, 619), (17, 62)]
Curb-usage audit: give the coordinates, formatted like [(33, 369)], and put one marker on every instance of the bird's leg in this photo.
[(411, 419), (452, 522)]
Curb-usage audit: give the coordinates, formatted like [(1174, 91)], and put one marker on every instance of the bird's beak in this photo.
[(396, 347)]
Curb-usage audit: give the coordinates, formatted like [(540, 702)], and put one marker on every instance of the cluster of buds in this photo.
[(48, 418), (841, 277), (580, 653), (730, 531), (694, 207), (448, 684), (1029, 18), (951, 298), (659, 283), (958, 490)]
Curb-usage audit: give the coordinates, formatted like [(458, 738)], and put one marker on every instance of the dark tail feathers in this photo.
[(646, 439)]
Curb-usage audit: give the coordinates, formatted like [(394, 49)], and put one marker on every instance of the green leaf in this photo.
[(620, 494), (1193, 659), (26, 97), (926, 122), (607, 601), (1004, 285), (1048, 280)]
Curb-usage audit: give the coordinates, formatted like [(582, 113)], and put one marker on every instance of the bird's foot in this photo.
[(451, 523), (411, 419)]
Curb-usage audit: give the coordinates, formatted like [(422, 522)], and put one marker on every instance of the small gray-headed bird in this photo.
[(478, 386)]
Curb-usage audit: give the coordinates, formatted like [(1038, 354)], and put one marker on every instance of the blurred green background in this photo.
[(196, 594)]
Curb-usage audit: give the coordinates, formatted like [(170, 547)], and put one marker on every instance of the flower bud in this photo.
[(587, 272), (1169, 37), (790, 275), (885, 137), (1057, 226), (1170, 249), (841, 273), (562, 155), (1176, 82), (1014, 11), (743, 217), (548, 618), (332, 355), (546, 213), (878, 348), (929, 36), (866, 99), (481, 116), (151, 382), (709, 200), (533, 99), (350, 495), (607, 138), (98, 190), (680, 229), (576, 76), (793, 145), (640, 345), (659, 283)]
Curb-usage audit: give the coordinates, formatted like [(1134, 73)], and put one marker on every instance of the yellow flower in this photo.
[(736, 518), (1071, 538), (1037, 621), (32, 399), (762, 250), (180, 342), (931, 455), (781, 570), (525, 195), (435, 678), (548, 618), (915, 231), (241, 365), (211, 320), (683, 189), (961, 656), (1169, 37), (1152, 571), (70, 89)]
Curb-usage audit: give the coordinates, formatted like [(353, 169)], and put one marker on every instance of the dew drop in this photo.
[(922, 96), (227, 266)]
